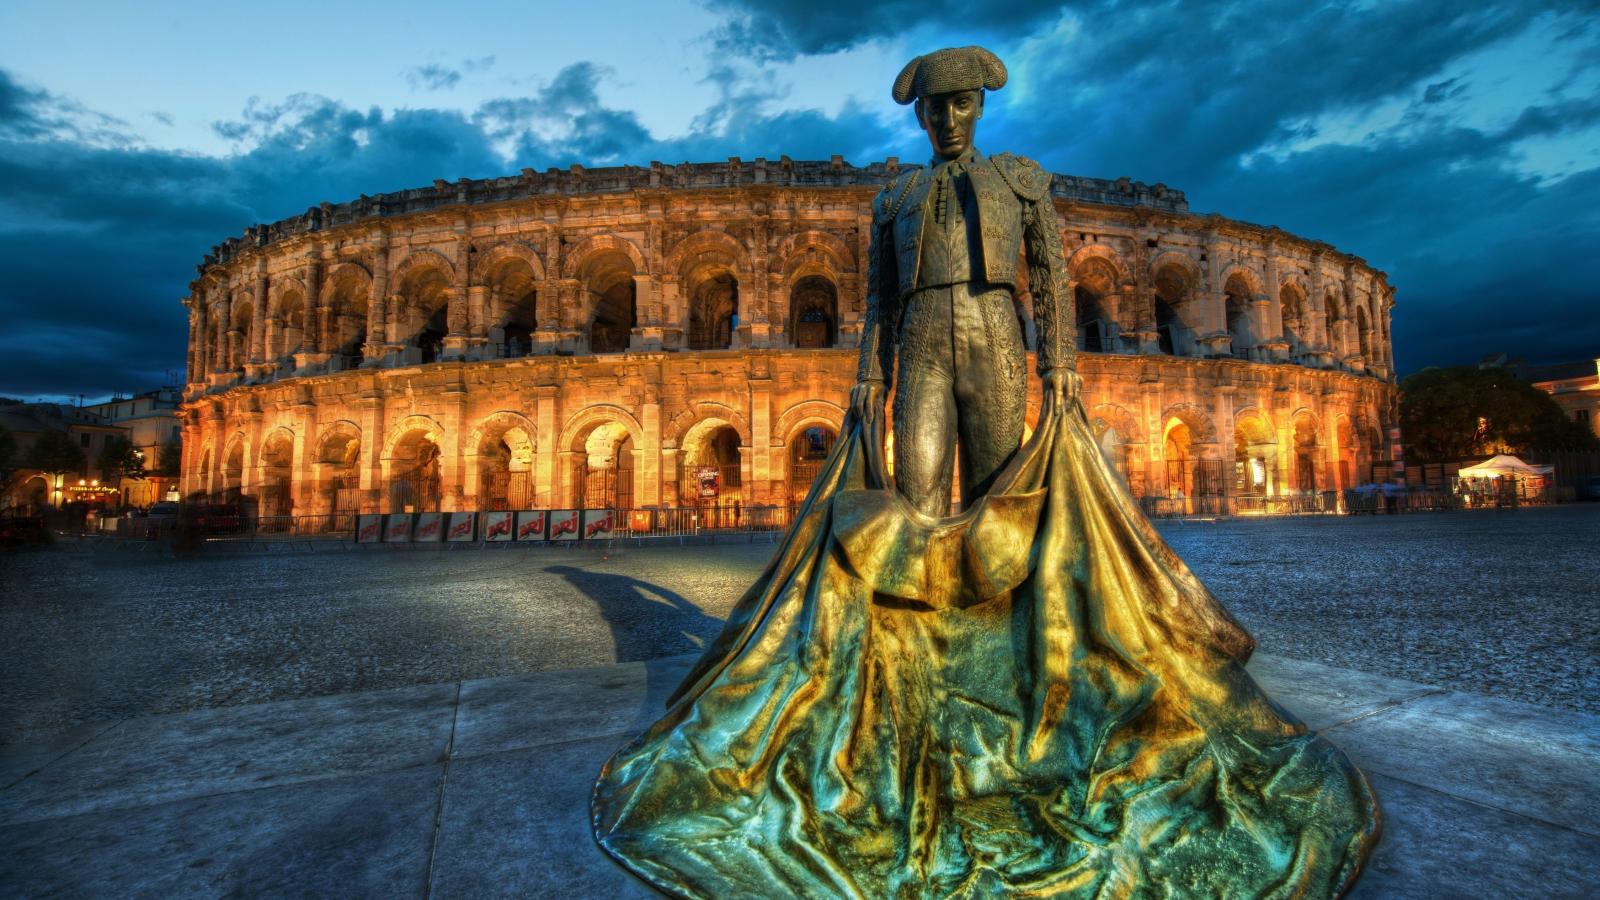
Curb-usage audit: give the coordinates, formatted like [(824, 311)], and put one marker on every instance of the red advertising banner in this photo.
[(710, 481), (369, 529), (399, 528), (599, 524), (497, 526), (463, 527), (430, 527), (531, 525), (564, 525)]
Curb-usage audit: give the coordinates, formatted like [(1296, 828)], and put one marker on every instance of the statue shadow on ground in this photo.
[(647, 620)]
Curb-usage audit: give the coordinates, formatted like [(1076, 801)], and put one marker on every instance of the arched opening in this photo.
[(414, 474), (505, 469), (1364, 333), (1345, 436), (232, 474), (814, 302), (291, 327), (610, 290), (425, 301), (1112, 445), (1292, 305), (1237, 294), (1331, 316), (340, 456), (1173, 289), (1096, 283), (513, 304), (35, 495), (1305, 455), (204, 473), (1177, 449), (1254, 458), (348, 328), (807, 452), (239, 336), (603, 469), (712, 287), (711, 476), (277, 467)]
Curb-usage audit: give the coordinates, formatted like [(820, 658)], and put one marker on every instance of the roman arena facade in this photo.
[(651, 336)]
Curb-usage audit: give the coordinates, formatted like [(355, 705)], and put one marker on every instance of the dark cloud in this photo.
[(785, 28), (432, 77), (100, 241), (1224, 100)]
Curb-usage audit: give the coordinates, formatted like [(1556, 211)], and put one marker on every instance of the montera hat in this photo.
[(947, 71)]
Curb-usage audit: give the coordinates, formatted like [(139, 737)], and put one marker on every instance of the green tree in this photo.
[(1465, 411), (169, 461), (53, 453), (118, 459), (8, 453)]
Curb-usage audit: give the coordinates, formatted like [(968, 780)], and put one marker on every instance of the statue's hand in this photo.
[(1065, 384), (866, 400)]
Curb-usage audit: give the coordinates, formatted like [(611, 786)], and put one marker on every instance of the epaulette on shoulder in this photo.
[(1027, 178), (889, 200)]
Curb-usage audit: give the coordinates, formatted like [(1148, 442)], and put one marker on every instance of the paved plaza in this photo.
[(427, 724)]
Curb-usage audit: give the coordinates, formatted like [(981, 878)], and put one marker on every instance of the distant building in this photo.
[(152, 419), (1575, 386), (30, 490)]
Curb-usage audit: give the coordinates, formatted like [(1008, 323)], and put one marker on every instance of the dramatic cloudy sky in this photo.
[(1453, 143)]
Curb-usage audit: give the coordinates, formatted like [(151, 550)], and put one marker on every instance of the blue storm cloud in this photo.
[(1248, 106)]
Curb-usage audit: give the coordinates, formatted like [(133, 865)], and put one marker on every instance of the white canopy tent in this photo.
[(1504, 465)]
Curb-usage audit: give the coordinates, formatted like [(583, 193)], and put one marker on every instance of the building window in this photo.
[(83, 440), (1582, 416)]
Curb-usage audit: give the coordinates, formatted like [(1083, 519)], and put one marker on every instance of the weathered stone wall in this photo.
[(578, 315)]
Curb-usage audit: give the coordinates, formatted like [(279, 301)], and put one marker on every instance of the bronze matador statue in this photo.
[(942, 274), (1034, 698)]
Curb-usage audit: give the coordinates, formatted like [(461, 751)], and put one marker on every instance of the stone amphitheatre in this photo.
[(606, 338)]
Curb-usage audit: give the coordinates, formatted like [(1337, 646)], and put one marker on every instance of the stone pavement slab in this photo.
[(1536, 762), (361, 836), (1324, 696), (500, 714), (195, 754), (18, 761), (482, 789), (1439, 847), (497, 841)]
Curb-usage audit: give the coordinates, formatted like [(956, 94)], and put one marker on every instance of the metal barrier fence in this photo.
[(243, 527)]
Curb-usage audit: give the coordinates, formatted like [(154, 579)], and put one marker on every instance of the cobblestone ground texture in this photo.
[(1496, 602)]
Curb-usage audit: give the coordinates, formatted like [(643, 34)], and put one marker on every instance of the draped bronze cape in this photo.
[(1035, 698)]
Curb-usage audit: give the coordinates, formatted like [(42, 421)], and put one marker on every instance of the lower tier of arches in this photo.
[(733, 429)]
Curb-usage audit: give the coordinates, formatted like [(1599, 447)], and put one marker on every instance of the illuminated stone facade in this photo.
[(611, 336)]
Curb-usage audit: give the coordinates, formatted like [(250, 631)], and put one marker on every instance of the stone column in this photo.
[(479, 314), (271, 342), (224, 329), (195, 333), (647, 464), (758, 459), (258, 318), (377, 312), (1214, 339), (371, 416), (545, 481), (1223, 398)]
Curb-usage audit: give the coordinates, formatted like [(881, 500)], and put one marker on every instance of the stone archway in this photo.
[(1255, 455), (275, 476), (501, 463)]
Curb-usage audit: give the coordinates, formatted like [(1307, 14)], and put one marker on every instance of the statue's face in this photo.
[(950, 121)]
